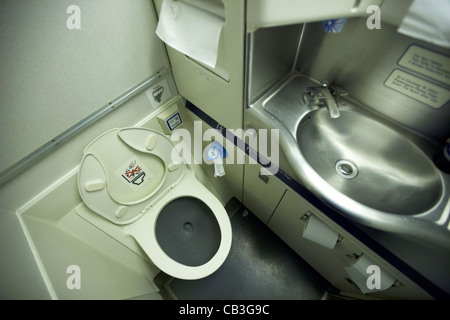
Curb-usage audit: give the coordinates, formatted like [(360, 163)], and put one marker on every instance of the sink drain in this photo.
[(346, 169)]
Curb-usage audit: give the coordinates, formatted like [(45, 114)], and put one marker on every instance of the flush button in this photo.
[(120, 211)]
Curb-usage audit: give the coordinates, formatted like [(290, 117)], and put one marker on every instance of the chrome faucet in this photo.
[(324, 96)]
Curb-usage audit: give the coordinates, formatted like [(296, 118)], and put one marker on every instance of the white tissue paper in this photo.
[(318, 232), (428, 20), (190, 30), (365, 274)]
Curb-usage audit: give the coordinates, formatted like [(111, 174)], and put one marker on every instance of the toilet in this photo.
[(128, 177)]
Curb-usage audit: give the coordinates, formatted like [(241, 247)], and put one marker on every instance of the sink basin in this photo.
[(358, 165), (369, 162)]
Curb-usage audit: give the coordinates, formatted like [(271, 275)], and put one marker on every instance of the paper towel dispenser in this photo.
[(194, 28), (271, 13), (212, 6), (216, 89)]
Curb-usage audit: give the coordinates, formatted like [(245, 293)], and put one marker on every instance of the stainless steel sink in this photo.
[(369, 162), (365, 167)]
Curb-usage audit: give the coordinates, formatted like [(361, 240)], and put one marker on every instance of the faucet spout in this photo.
[(323, 97), (328, 101)]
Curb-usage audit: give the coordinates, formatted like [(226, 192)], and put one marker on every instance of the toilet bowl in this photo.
[(128, 176)]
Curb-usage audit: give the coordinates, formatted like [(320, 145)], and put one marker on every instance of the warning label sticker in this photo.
[(134, 173), (159, 94), (418, 89), (428, 63)]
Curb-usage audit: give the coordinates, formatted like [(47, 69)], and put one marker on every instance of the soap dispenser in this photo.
[(216, 153)]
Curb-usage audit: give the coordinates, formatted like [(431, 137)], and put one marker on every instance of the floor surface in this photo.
[(260, 266)]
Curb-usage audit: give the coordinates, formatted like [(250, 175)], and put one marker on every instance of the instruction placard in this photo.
[(159, 93), (428, 63), (417, 88)]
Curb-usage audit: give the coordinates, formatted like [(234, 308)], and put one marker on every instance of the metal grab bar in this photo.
[(42, 151)]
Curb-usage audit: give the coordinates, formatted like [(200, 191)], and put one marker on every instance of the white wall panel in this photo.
[(51, 76)]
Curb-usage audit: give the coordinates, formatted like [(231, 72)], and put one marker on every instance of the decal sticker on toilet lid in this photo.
[(134, 173)]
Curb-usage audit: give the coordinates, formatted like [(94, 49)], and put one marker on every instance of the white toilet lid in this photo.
[(125, 171)]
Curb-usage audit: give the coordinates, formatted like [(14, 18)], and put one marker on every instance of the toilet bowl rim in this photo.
[(157, 255)]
